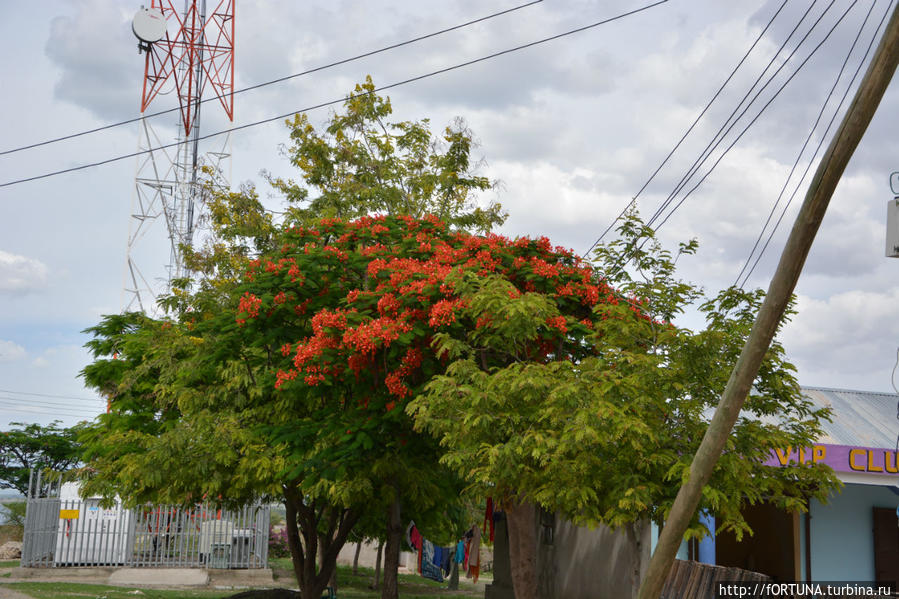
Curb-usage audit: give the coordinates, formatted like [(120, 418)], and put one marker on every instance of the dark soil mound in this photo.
[(266, 594)]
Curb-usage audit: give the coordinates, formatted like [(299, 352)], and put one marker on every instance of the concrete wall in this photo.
[(575, 562), (842, 541), (368, 556), (599, 563)]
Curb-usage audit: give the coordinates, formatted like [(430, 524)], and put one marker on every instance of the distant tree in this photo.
[(35, 447), (14, 514)]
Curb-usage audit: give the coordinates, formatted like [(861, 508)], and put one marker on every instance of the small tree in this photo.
[(30, 447)]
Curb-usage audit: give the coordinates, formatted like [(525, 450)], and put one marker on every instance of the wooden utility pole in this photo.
[(828, 174)]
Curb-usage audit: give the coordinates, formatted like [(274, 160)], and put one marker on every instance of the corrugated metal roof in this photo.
[(861, 418)]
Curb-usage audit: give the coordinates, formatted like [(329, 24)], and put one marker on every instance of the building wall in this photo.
[(842, 541), (369, 554), (599, 563)]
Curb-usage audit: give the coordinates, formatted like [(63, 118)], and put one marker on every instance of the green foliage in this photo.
[(277, 543), (363, 164), (197, 405), (607, 437), (32, 446), (14, 514)]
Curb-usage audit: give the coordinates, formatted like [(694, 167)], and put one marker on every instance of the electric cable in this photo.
[(50, 395), (6, 405), (752, 122), (50, 404), (697, 164), (332, 102), (727, 128), (278, 80), (689, 130), (808, 139), (820, 144)]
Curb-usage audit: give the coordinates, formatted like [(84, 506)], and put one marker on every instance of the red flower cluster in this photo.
[(390, 275), (248, 306)]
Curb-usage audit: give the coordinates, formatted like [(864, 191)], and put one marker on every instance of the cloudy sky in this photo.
[(572, 128)]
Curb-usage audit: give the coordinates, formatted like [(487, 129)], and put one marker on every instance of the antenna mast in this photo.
[(188, 53)]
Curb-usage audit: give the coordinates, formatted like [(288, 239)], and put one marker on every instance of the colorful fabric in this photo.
[(460, 552), (409, 530), (437, 560), (474, 552), (428, 568), (414, 537), (488, 518), (449, 553)]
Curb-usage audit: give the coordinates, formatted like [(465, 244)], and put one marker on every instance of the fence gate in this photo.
[(62, 529)]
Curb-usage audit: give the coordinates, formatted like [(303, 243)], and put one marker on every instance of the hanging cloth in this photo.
[(413, 537), (460, 552), (488, 518), (428, 568), (474, 554)]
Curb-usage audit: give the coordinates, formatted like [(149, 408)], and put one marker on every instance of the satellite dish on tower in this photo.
[(149, 26)]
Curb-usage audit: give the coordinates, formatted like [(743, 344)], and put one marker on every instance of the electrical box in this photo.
[(892, 247), (220, 556), (88, 533)]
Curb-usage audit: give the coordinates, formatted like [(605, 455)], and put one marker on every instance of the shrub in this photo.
[(277, 543)]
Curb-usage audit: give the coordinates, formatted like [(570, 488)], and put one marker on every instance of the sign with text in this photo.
[(842, 458)]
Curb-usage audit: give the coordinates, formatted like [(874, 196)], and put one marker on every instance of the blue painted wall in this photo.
[(842, 538), (707, 543)]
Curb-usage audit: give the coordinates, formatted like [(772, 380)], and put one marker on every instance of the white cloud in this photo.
[(99, 65), (853, 334), (20, 274), (11, 351)]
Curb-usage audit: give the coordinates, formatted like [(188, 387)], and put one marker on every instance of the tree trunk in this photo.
[(303, 518), (293, 542), (454, 576), (323, 544), (356, 559), (378, 566), (523, 549), (390, 590), (633, 533)]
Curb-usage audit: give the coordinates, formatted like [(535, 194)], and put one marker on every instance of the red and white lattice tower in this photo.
[(190, 53)]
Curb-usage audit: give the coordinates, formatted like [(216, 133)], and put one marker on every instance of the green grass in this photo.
[(9, 564), (349, 586), (71, 590)]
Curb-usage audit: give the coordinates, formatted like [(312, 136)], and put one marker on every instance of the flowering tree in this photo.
[(296, 384), (205, 382), (379, 291)]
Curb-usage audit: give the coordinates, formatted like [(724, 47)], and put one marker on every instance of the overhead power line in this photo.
[(724, 129), (836, 112), (48, 403), (755, 118), (728, 126), (688, 131), (51, 395), (337, 101), (280, 79), (13, 406)]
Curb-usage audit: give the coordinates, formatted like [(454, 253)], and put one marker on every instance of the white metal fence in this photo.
[(64, 531)]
